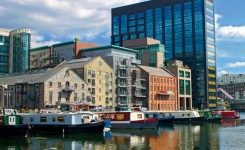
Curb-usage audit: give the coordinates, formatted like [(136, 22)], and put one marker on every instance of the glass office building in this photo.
[(14, 50), (4, 52), (185, 27), (20, 41)]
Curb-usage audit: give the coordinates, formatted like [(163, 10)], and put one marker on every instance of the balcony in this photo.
[(122, 85), (140, 86), (122, 94), (68, 89), (122, 76), (140, 95), (168, 93), (138, 103), (122, 67)]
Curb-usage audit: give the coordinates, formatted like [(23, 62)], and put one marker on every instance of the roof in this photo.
[(39, 76), (109, 47), (64, 43), (39, 48), (79, 63), (156, 71), (11, 80)]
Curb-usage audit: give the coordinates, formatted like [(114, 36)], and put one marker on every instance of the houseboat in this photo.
[(63, 122), (188, 116), (162, 119), (227, 114), (209, 116), (124, 118), (12, 126)]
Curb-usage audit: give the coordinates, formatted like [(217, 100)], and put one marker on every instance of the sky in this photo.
[(55, 21)]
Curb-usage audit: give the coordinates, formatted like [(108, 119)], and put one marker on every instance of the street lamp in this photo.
[(7, 94)]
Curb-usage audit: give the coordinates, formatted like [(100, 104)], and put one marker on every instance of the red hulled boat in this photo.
[(128, 119), (226, 114)]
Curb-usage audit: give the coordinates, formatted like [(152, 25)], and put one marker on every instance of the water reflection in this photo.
[(13, 143), (66, 142), (232, 122), (225, 135)]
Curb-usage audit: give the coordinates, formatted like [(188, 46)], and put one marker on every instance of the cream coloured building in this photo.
[(79, 80)]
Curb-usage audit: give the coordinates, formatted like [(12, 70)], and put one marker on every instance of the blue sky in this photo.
[(54, 21), (230, 32)]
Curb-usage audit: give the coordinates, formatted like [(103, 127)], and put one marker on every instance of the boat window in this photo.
[(53, 119), (183, 114), (86, 117), (139, 116), (43, 119), (31, 119), (119, 116), (61, 118), (188, 114)]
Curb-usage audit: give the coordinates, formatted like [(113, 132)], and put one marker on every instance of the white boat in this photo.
[(188, 116), (63, 122)]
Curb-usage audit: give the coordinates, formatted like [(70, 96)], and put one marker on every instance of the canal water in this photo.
[(228, 135)]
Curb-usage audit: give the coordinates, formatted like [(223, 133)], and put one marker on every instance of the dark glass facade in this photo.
[(21, 54), (4, 54), (185, 27)]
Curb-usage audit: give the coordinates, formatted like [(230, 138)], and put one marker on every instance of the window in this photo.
[(181, 73), (82, 86), (181, 87), (59, 85), (50, 84), (59, 96), (43, 119), (75, 86), (61, 118), (187, 74), (75, 96), (50, 96)]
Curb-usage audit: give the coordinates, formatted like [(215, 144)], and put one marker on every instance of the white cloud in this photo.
[(228, 32), (38, 40), (222, 72), (235, 65), (222, 53), (217, 17), (232, 31), (61, 19)]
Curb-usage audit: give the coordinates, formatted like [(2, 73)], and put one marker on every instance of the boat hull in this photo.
[(228, 114), (189, 120), (133, 125), (166, 119), (130, 120), (13, 130), (89, 127)]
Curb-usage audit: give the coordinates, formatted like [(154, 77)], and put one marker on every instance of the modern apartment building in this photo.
[(161, 89), (14, 50), (184, 90), (150, 51), (122, 60), (233, 84), (50, 56), (185, 27)]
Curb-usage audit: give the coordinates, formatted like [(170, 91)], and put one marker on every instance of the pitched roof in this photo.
[(38, 76), (79, 63), (156, 71)]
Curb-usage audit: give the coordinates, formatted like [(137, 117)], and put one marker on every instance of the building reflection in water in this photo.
[(67, 142), (205, 136), (187, 137)]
